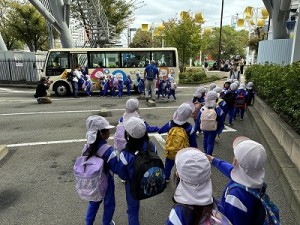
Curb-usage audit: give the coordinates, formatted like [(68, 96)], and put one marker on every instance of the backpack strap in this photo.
[(103, 149)]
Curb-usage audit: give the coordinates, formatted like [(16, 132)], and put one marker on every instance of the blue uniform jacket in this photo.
[(239, 206), (149, 128), (125, 165), (189, 130), (220, 120)]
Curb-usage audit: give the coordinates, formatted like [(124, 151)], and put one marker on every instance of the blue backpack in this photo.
[(150, 74), (272, 211)]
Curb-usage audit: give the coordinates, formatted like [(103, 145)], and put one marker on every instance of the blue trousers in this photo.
[(133, 207), (230, 115), (109, 205), (172, 92), (160, 92), (120, 92), (209, 141), (128, 90), (75, 88), (169, 163), (88, 88), (236, 110)]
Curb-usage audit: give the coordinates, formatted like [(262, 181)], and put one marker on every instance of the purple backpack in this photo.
[(91, 179), (119, 137)]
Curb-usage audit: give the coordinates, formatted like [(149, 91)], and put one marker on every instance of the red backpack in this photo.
[(240, 102)]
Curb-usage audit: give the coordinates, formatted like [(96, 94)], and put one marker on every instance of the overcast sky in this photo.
[(156, 11)]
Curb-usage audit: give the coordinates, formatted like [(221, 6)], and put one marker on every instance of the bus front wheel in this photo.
[(61, 89)]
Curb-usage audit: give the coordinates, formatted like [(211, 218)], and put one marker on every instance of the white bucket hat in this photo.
[(199, 91), (183, 113), (93, 125), (251, 158), (194, 171), (132, 105), (135, 127)]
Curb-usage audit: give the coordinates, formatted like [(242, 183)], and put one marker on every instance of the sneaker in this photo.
[(241, 119), (168, 180), (217, 139), (123, 181), (230, 124), (112, 223)]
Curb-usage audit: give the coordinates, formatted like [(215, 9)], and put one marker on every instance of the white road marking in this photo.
[(9, 90), (158, 137), (83, 111), (65, 141)]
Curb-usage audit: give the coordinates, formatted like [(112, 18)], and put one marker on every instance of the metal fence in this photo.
[(21, 70)]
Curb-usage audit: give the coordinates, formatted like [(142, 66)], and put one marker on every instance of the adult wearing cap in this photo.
[(209, 136), (194, 203), (180, 118), (247, 169), (150, 76), (98, 131), (137, 140), (41, 91)]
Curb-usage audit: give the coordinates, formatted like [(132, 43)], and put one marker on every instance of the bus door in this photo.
[(79, 59)]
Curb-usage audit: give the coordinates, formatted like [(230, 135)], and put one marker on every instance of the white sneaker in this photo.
[(112, 223)]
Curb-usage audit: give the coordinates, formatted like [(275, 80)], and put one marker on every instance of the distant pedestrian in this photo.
[(76, 78), (128, 83), (234, 74), (241, 101), (41, 91), (251, 93), (150, 76), (172, 89)]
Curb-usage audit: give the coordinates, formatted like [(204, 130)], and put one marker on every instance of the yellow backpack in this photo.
[(177, 139)]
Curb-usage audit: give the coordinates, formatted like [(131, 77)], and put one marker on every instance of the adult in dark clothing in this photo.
[(41, 91), (150, 76)]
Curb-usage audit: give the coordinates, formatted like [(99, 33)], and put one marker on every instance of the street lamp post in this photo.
[(220, 38)]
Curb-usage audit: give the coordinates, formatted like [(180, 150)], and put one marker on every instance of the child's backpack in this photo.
[(272, 211), (90, 175), (149, 177), (229, 98), (119, 137), (177, 139), (208, 119), (240, 102)]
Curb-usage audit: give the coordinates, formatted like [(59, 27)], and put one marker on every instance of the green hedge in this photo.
[(279, 87), (195, 76)]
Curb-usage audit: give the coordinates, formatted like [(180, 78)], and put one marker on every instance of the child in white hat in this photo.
[(98, 131), (137, 140), (247, 169), (180, 119), (193, 194)]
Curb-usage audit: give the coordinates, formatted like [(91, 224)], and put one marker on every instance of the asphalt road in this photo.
[(37, 183)]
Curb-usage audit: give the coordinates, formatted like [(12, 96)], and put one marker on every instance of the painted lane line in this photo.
[(157, 136), (83, 111)]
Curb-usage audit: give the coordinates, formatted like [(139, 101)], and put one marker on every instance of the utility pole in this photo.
[(220, 38)]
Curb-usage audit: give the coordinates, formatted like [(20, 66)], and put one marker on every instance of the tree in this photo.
[(232, 43), (22, 24), (258, 35), (9, 40), (183, 34), (145, 39)]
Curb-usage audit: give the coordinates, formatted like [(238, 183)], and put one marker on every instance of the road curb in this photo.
[(3, 151), (286, 172)]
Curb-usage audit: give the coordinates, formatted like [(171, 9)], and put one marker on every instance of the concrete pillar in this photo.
[(296, 50)]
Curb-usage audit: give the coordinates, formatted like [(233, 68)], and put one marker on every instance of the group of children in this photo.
[(165, 87), (194, 203), (113, 85)]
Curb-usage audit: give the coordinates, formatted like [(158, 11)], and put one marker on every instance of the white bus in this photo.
[(103, 61)]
